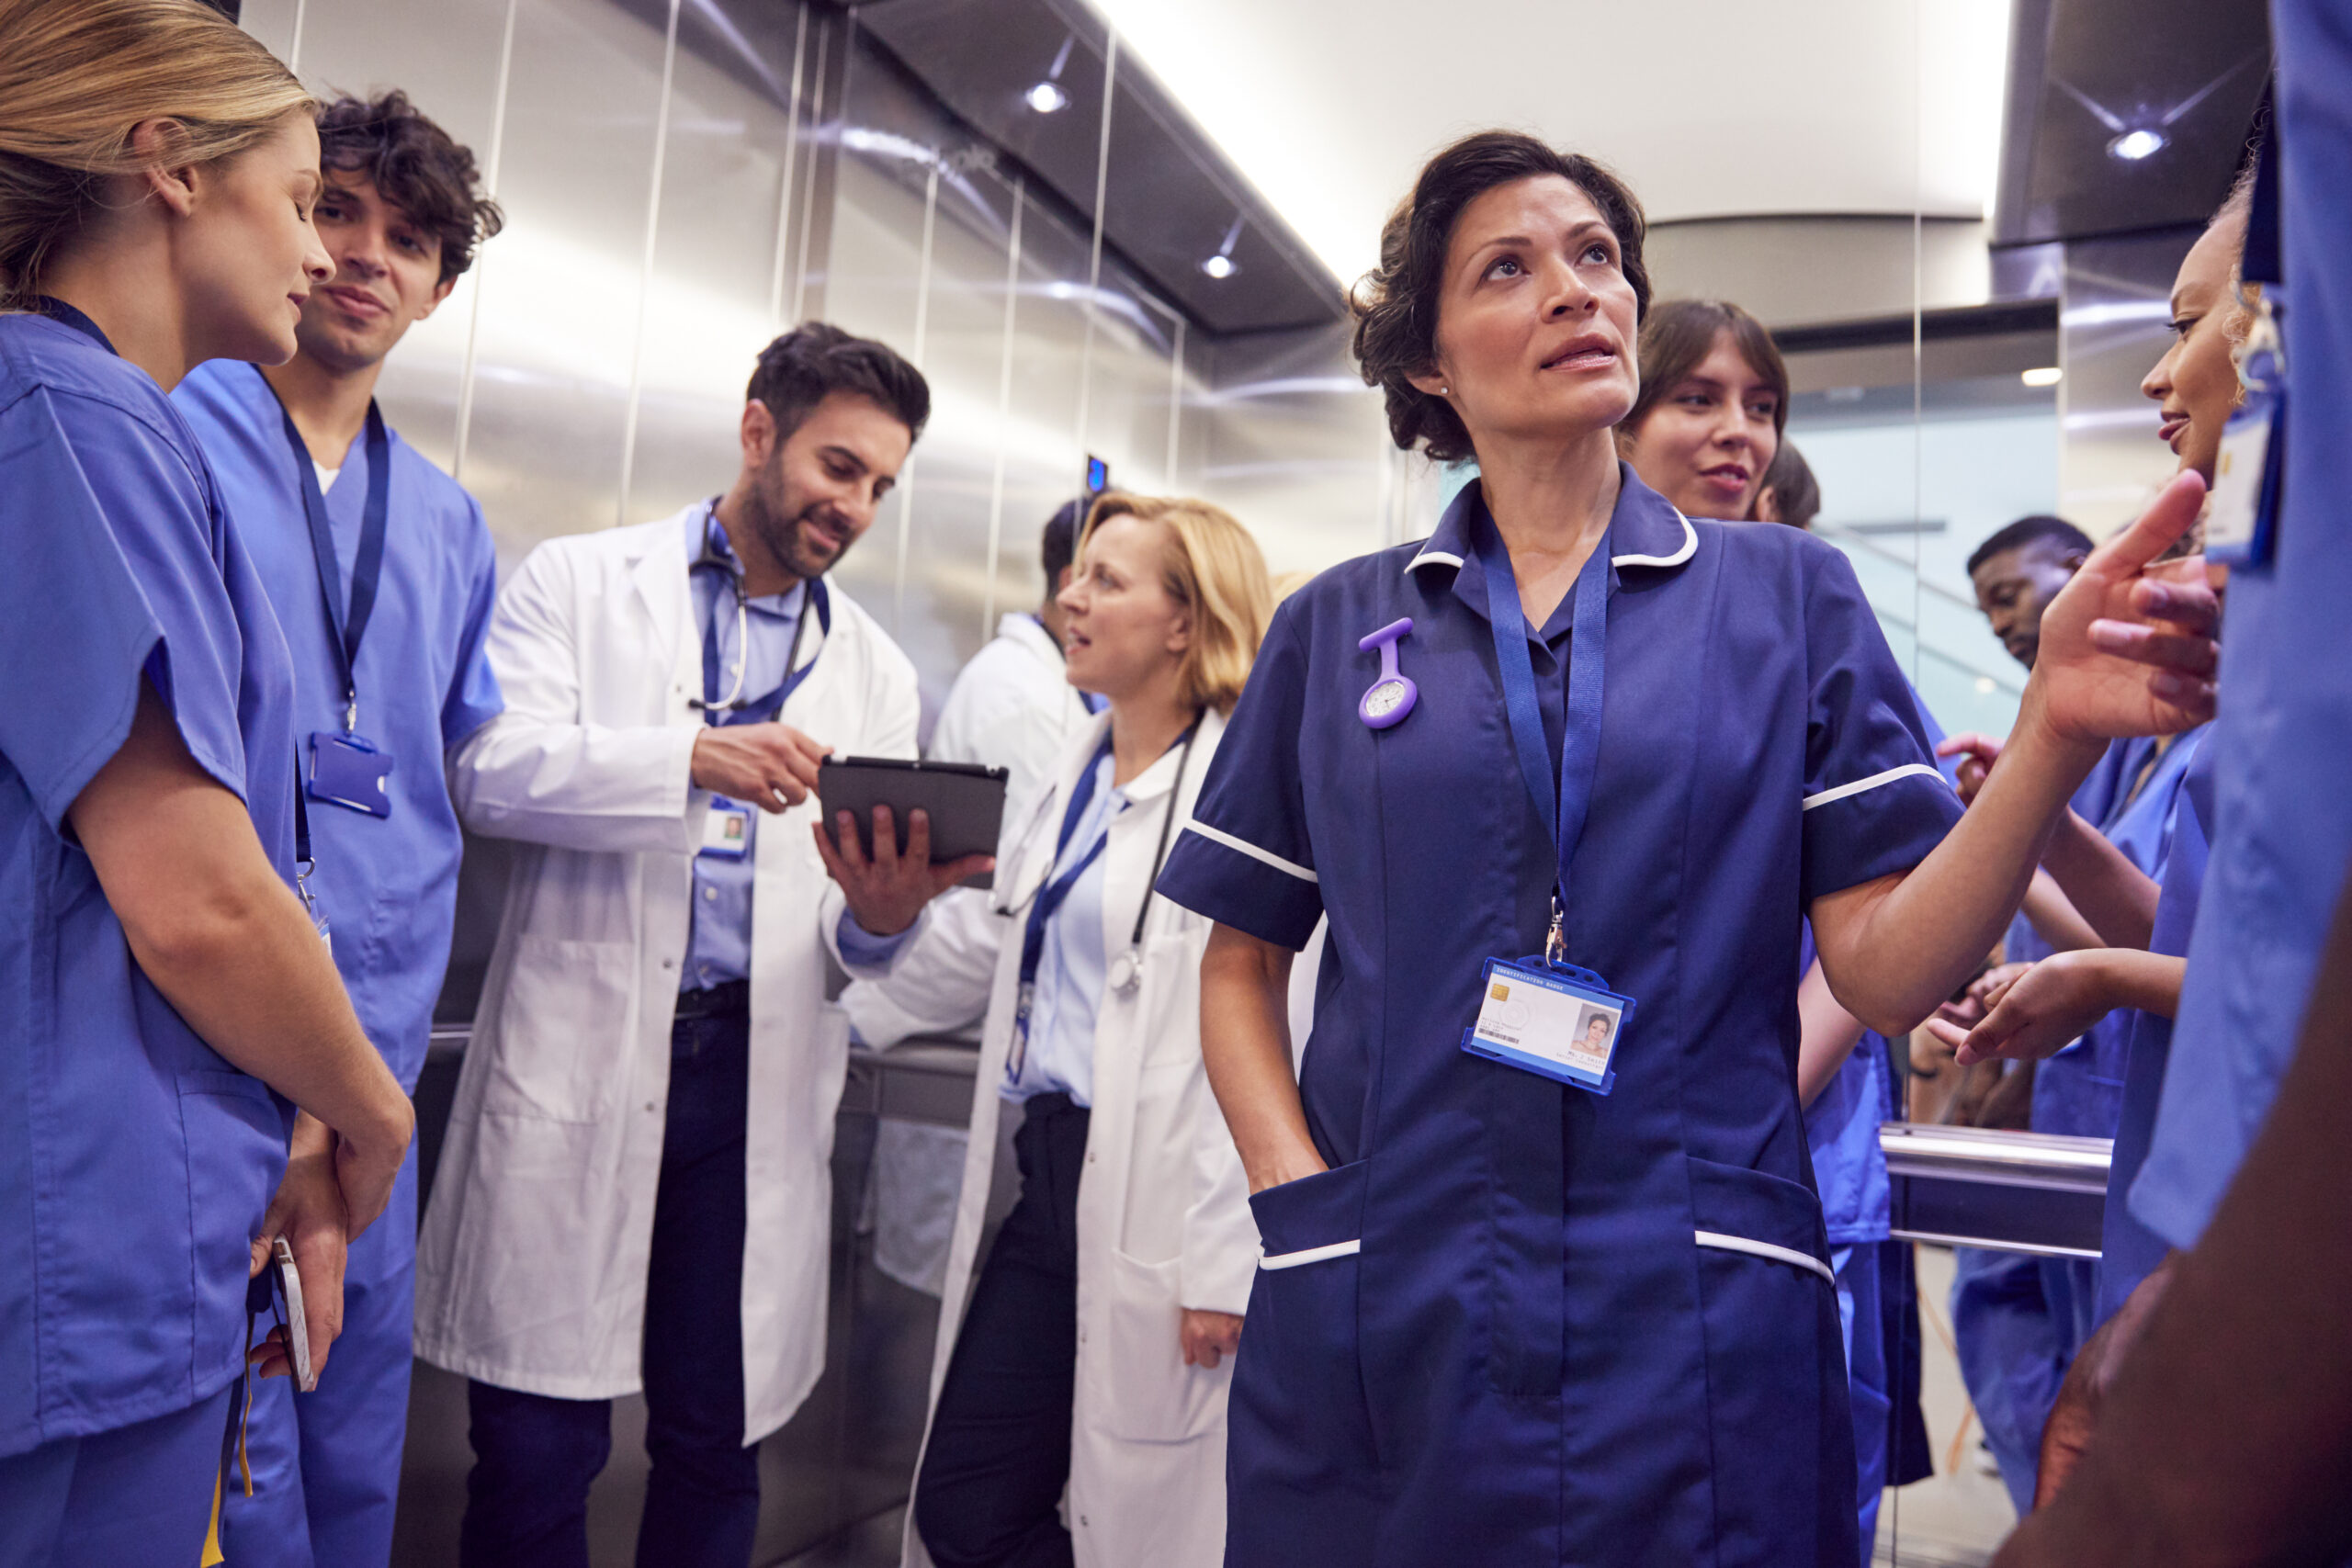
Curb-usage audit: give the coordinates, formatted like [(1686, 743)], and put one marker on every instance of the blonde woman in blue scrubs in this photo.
[(159, 977)]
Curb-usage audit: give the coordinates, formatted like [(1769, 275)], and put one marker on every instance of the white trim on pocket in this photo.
[(1312, 1254), (1252, 851), (1763, 1250), (1859, 786)]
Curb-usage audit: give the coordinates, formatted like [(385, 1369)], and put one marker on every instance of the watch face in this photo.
[(1383, 699)]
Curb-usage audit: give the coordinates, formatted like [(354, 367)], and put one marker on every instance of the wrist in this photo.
[(2072, 756)]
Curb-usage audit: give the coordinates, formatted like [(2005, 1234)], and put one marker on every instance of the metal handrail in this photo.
[(2045, 1160)]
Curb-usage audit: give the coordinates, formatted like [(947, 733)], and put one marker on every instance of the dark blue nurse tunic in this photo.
[(1516, 1322)]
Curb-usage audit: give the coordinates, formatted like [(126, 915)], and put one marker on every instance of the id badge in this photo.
[(2247, 470), (347, 771), (727, 829), (1557, 1021)]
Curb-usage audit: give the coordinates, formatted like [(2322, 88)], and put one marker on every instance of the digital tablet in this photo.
[(966, 802)]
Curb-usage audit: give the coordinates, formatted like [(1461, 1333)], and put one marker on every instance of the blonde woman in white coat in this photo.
[(1080, 1386)]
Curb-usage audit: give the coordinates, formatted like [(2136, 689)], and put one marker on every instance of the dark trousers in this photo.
[(990, 1494), (526, 1499)]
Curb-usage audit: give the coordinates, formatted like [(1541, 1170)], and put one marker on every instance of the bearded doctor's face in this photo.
[(819, 488)]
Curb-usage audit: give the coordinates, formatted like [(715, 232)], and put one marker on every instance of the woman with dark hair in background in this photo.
[(160, 975), (1705, 426), (1790, 494), (1513, 1311)]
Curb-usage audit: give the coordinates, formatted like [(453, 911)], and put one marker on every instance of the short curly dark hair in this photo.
[(416, 166), (816, 359), (1395, 303)]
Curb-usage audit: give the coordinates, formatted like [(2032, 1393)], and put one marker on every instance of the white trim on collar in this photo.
[(1688, 547)]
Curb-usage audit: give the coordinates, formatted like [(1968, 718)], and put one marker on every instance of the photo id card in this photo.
[(1560, 1023), (727, 829)]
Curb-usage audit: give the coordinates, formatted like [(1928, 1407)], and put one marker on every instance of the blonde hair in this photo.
[(1212, 567), (77, 76)]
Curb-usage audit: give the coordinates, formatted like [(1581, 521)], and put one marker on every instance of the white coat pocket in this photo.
[(1152, 1396), (554, 1042)]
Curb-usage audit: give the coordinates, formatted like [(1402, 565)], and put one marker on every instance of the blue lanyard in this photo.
[(1562, 807), (347, 627), (1051, 896), (759, 710)]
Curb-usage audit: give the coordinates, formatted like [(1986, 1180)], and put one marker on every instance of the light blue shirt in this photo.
[(1073, 968), (718, 948)]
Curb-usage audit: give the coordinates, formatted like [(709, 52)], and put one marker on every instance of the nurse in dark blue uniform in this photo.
[(1564, 1313), (158, 976)]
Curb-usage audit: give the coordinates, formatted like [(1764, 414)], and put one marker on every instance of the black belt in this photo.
[(729, 999)]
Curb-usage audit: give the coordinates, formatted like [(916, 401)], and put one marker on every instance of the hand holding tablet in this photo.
[(902, 833)]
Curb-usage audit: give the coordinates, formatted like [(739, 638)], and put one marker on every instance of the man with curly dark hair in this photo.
[(382, 575)]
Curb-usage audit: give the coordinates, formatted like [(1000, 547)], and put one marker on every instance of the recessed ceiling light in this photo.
[(1047, 98), (2043, 375), (2134, 145), (1220, 268), (1986, 685)]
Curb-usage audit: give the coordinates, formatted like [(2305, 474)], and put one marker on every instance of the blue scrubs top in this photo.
[(1515, 1322), (2080, 1091), (1841, 1125), (2129, 1251), (135, 1162), (2282, 815), (387, 886)]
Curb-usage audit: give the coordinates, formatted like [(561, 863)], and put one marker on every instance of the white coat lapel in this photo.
[(659, 576)]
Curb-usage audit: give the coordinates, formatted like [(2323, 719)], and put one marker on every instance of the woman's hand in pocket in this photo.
[(1209, 1336)]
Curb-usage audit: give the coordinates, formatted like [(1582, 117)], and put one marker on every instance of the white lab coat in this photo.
[(1163, 1210), (531, 1266), (1011, 707)]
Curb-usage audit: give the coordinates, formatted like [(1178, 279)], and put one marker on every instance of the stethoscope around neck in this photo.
[(1125, 970), (712, 561)]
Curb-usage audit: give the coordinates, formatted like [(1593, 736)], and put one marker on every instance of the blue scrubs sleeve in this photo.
[(83, 629), (473, 698), (1244, 859), (1875, 802)]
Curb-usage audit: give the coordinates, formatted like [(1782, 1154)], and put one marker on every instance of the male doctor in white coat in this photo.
[(635, 1193)]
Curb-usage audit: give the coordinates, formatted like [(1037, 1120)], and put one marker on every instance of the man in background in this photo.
[(382, 575)]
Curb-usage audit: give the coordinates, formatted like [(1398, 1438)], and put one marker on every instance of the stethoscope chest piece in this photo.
[(1391, 697), (1126, 970)]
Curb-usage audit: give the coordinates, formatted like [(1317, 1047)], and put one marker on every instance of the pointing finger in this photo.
[(2153, 532)]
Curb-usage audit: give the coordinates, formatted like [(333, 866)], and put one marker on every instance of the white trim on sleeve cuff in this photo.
[(1859, 786), (1245, 847)]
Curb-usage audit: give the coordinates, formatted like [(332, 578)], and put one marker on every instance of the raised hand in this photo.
[(2128, 647)]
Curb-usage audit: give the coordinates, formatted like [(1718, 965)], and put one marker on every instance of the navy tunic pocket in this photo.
[(1776, 1363), (1299, 1450)]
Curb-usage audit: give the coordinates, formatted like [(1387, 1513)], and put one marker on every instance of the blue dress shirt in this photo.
[(718, 948), (1072, 967)]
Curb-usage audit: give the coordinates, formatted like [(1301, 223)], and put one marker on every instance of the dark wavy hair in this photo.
[(1395, 304), (816, 359), (416, 166)]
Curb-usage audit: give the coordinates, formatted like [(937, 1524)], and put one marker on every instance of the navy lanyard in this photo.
[(1058, 888), (345, 627), (1563, 806), (58, 310), (759, 710)]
